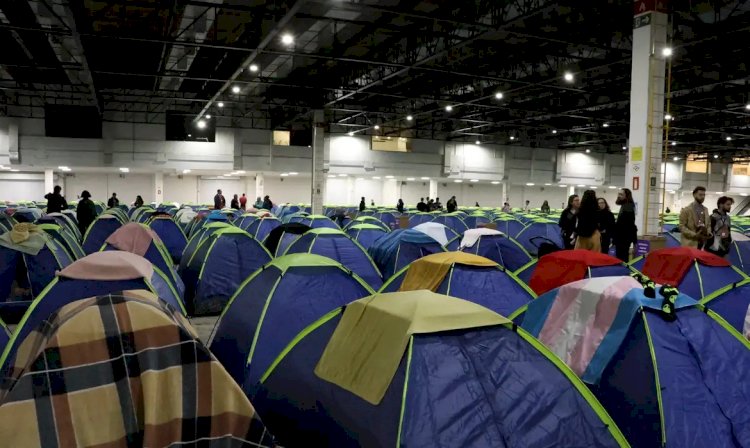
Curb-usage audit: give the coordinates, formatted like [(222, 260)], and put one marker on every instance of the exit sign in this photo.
[(644, 6)]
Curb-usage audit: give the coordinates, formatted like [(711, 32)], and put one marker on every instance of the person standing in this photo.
[(219, 201), (693, 229), (587, 232), (400, 206), (606, 224), (545, 207), (452, 205), (626, 232), (138, 202), (55, 201), (113, 201), (85, 212), (258, 203), (506, 208), (372, 202), (567, 221), (721, 227), (527, 207), (243, 202), (235, 204), (362, 205)]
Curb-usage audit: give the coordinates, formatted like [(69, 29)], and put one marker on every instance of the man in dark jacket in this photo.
[(421, 206), (113, 201), (452, 205), (267, 204), (721, 228), (362, 205), (626, 233), (55, 201), (85, 212), (219, 201)]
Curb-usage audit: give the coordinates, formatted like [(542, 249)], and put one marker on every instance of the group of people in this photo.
[(430, 205), (588, 223), (240, 203), (700, 230)]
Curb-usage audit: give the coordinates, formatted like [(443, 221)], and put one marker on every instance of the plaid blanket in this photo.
[(122, 370)]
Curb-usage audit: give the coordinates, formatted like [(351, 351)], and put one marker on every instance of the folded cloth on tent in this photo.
[(366, 348), (108, 266), (556, 269), (435, 231), (746, 326), (669, 266), (132, 237), (174, 392), (471, 236), (428, 272), (24, 237)]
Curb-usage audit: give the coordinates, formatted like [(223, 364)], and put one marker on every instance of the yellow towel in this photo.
[(428, 272), (22, 231), (366, 348)]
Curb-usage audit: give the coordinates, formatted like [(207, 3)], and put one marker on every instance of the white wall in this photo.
[(21, 187), (182, 190), (102, 185)]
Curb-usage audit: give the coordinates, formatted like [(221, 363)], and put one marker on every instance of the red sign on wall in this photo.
[(644, 6), (636, 183)]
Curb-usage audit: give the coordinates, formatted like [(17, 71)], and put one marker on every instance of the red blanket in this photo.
[(563, 267), (669, 266)]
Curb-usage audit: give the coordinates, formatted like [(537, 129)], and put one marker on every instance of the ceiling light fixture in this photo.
[(409, 118), (287, 39), (529, 184), (389, 177), (410, 179), (588, 151), (499, 96), (612, 187), (495, 182), (716, 156), (376, 177), (606, 125), (332, 176), (667, 52), (477, 142), (291, 173), (236, 89), (208, 116), (747, 106), (343, 175), (568, 76), (458, 181), (563, 186), (185, 171), (668, 117), (582, 186), (674, 143), (474, 180), (554, 131), (14, 171), (376, 127), (624, 148), (124, 170), (512, 137), (351, 134), (676, 158), (284, 174), (448, 108), (254, 68), (220, 104), (201, 124), (729, 139)]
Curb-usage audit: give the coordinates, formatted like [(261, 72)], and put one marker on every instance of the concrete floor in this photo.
[(204, 326)]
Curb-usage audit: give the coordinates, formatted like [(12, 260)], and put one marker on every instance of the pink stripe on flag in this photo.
[(597, 325), (558, 315)]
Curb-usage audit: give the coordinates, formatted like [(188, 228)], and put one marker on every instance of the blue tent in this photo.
[(65, 238), (145, 216), (139, 239), (420, 218), (484, 383), (260, 228), (6, 222), (338, 246), (466, 276), (280, 238), (27, 214), (496, 246), (96, 274), (286, 216), (733, 304), (366, 234), (565, 266), (509, 226), (245, 220), (29, 271), (99, 231), (474, 221), (669, 375), (199, 238), (274, 305), (315, 222), (63, 221), (539, 232), (739, 253), (366, 220), (453, 221), (171, 235), (694, 272), (218, 266), (400, 247)]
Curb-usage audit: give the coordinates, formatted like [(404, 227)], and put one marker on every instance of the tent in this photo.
[(444, 373), (260, 228), (537, 233), (440, 232), (218, 266), (419, 218), (509, 226), (473, 221), (66, 240), (27, 214), (558, 268), (739, 253), (366, 234), (466, 276), (337, 245), (388, 218), (280, 238), (141, 240), (26, 267), (366, 220), (63, 221), (98, 232), (272, 306), (200, 237), (6, 222), (123, 370), (314, 221), (171, 235), (400, 247), (453, 221), (732, 303), (245, 220), (496, 246), (694, 272), (670, 373), (95, 274)]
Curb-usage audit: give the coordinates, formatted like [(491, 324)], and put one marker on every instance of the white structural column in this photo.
[(260, 189), (317, 190), (645, 166), (159, 188), (433, 189), (49, 181)]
